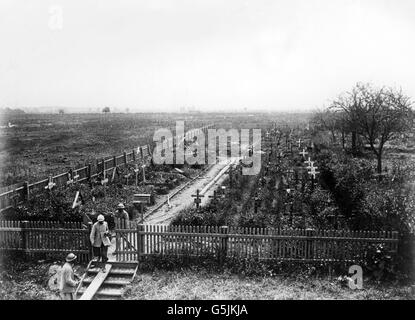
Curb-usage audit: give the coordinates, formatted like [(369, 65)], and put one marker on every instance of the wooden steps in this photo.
[(97, 285)]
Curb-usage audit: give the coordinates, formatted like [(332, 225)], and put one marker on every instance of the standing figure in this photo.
[(68, 283), (122, 217), (100, 240)]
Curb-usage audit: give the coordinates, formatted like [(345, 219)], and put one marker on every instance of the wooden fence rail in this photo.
[(48, 238), (19, 193), (257, 243), (136, 241)]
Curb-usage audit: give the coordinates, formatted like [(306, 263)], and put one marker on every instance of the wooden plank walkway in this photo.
[(96, 283)]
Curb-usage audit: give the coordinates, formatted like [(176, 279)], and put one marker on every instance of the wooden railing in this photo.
[(49, 238), (257, 243), (21, 192), (136, 241)]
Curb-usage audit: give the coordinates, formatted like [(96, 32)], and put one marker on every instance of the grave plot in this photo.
[(281, 195)]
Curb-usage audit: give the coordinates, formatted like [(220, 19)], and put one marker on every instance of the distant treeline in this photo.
[(9, 111)]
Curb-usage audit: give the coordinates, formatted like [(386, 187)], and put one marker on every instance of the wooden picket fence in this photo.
[(133, 242), (48, 239), (256, 243)]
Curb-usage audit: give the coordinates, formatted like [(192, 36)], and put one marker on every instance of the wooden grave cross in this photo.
[(50, 184), (198, 199), (309, 162), (70, 178), (78, 200), (313, 171), (303, 153), (144, 172), (289, 173), (104, 180), (222, 191), (114, 171), (136, 171), (127, 176), (257, 204), (299, 142), (214, 197)]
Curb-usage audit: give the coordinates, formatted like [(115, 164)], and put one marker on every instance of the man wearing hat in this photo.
[(122, 217), (67, 283), (99, 240)]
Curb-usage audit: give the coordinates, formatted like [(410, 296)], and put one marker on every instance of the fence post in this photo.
[(140, 241), (310, 244), (26, 190), (114, 161), (25, 238), (125, 157), (90, 253), (133, 155), (89, 171), (223, 245)]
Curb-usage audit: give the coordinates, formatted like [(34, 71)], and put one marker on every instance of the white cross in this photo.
[(127, 176), (70, 179), (313, 171), (51, 184), (136, 170), (299, 142), (309, 162), (303, 153), (144, 173), (105, 180)]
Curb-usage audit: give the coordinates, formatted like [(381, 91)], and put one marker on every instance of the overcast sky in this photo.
[(213, 55)]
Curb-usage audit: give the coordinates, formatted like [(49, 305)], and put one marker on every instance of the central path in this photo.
[(184, 199)]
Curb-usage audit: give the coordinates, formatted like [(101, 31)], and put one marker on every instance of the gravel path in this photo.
[(184, 198)]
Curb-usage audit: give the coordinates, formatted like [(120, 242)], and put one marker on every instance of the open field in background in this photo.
[(43, 144)]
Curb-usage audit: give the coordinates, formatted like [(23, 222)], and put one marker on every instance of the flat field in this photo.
[(41, 144)]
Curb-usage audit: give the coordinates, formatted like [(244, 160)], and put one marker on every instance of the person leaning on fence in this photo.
[(100, 240), (68, 283), (122, 218)]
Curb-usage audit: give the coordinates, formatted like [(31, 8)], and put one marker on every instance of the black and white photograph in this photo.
[(203, 151)]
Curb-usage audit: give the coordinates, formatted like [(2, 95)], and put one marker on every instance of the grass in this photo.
[(20, 280), (43, 144), (189, 285), (25, 281)]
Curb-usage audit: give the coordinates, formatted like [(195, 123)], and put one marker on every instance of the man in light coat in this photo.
[(100, 240), (67, 283), (122, 217)]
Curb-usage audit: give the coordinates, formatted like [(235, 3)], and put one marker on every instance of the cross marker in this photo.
[(51, 184)]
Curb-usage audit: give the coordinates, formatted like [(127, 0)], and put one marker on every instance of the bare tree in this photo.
[(326, 120), (378, 115)]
